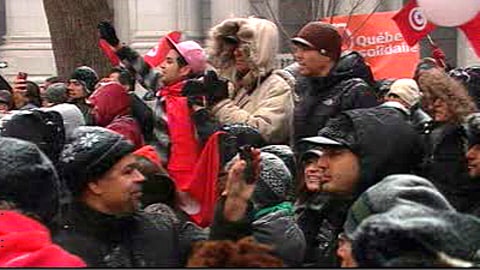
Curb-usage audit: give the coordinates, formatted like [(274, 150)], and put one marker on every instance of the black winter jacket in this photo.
[(348, 86), (103, 240)]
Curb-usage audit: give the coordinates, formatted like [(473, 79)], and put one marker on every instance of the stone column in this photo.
[(27, 45), (465, 54), (223, 9), (151, 19)]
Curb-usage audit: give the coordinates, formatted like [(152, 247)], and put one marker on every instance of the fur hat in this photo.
[(394, 190), (28, 178), (322, 37), (407, 90), (258, 39), (406, 237), (91, 152), (86, 76)]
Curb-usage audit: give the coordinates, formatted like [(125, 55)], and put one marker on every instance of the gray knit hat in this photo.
[(394, 190), (56, 93), (417, 236), (91, 152)]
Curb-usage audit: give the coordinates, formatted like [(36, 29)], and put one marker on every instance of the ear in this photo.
[(95, 187), (184, 71)]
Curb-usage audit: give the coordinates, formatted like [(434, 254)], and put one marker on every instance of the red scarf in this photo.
[(184, 149)]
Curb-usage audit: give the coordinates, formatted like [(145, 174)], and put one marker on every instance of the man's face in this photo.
[(170, 69), (313, 174), (120, 188), (341, 171), (75, 90), (473, 159), (311, 62)]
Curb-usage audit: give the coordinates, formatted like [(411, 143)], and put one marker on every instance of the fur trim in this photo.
[(260, 44)]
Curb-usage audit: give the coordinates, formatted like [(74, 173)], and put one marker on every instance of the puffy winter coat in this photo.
[(103, 240), (348, 86)]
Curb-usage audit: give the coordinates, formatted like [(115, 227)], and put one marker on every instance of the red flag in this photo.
[(412, 23), (472, 31), (107, 50), (157, 54)]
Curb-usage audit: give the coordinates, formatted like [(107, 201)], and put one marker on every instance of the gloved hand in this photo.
[(107, 32), (217, 88)]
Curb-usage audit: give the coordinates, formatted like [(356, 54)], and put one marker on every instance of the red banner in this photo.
[(377, 38)]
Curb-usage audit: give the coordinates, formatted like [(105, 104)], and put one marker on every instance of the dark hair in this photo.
[(181, 61), (158, 187), (125, 77), (33, 93)]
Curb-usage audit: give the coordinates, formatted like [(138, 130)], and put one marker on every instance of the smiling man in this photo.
[(327, 83), (358, 148), (103, 224)]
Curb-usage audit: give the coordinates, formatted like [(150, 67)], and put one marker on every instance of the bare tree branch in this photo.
[(277, 22), (379, 2)]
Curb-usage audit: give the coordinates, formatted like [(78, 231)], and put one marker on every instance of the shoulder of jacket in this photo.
[(286, 76)]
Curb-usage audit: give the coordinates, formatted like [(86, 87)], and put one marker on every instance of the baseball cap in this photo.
[(192, 52)]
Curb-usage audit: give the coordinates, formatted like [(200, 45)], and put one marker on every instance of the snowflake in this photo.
[(68, 154), (88, 140)]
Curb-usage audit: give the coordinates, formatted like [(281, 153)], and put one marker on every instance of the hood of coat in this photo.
[(352, 65), (259, 40), (27, 243), (109, 101)]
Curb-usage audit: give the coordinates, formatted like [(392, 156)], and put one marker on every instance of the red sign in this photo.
[(377, 38)]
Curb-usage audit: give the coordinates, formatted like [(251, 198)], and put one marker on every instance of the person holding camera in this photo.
[(243, 51)]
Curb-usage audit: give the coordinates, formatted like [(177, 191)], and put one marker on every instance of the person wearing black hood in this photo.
[(327, 83), (358, 148), (80, 85)]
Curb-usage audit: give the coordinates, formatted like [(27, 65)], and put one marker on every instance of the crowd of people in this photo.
[(215, 157)]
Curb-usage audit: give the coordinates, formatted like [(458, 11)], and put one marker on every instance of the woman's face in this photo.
[(312, 174), (439, 111)]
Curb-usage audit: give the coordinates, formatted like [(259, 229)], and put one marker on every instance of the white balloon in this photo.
[(449, 12)]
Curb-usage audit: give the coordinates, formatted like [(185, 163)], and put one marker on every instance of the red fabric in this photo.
[(472, 32), (27, 243), (109, 101), (184, 150), (129, 128), (108, 51), (406, 20), (203, 184), (149, 153), (439, 56), (157, 54)]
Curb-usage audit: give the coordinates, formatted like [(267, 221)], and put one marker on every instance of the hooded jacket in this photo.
[(346, 87), (263, 98), (112, 110), (386, 144)]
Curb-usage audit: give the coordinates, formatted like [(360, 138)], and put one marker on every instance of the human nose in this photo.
[(138, 177)]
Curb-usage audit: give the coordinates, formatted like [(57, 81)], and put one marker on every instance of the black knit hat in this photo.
[(28, 178), (322, 37), (91, 152), (472, 128), (403, 234), (392, 191), (86, 76)]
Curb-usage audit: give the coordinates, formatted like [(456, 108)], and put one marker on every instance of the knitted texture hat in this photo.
[(472, 128), (28, 178), (394, 190), (406, 237), (86, 76), (322, 37), (56, 93), (273, 183), (91, 152), (407, 90)]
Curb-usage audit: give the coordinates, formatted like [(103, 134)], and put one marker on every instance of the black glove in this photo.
[(196, 100), (107, 32), (217, 88)]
